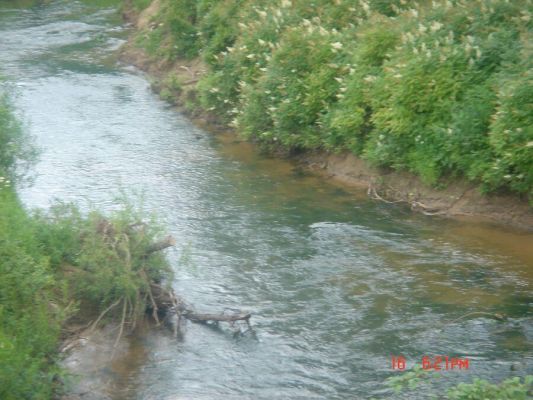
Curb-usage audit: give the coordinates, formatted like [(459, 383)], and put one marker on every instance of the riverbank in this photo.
[(72, 286), (335, 285), (64, 274), (176, 80)]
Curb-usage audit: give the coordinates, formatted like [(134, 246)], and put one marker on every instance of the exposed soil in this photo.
[(456, 198), (98, 369)]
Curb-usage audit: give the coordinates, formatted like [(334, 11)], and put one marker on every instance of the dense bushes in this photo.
[(54, 263), (29, 311), (29, 320), (440, 88)]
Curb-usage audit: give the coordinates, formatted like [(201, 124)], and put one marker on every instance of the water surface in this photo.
[(337, 283)]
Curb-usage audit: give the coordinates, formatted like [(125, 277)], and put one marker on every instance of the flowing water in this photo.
[(337, 284)]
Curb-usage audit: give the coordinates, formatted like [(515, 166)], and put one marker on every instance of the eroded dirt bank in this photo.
[(456, 198), (99, 368)]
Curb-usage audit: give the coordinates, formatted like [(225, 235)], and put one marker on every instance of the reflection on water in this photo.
[(337, 283)]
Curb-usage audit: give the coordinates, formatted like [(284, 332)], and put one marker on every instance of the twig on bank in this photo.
[(122, 321), (93, 326)]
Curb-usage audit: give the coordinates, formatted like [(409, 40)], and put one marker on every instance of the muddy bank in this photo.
[(99, 370), (455, 198)]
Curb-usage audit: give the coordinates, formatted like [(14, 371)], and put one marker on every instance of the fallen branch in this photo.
[(196, 317), (373, 194), (415, 205), (93, 326), (496, 316), (122, 322), (171, 305), (474, 314), (169, 241)]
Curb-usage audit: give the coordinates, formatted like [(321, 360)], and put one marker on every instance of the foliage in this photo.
[(140, 5), (29, 315), (438, 88), (106, 258), (61, 257), (409, 380), (51, 262), (16, 150), (509, 389), (171, 86)]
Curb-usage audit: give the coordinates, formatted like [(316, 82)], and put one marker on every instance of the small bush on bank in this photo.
[(53, 263), (104, 258)]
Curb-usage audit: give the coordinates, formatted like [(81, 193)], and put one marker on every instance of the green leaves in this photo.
[(511, 133), (510, 389), (29, 324), (16, 150), (409, 380), (49, 260), (438, 89)]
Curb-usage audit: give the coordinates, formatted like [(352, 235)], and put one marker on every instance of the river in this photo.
[(337, 283)]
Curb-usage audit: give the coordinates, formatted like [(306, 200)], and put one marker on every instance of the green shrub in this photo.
[(510, 389), (30, 312), (49, 263), (140, 5), (439, 88), (218, 27), (16, 150), (105, 257), (511, 134)]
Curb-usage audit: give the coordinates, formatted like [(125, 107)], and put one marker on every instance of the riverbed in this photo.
[(337, 283)]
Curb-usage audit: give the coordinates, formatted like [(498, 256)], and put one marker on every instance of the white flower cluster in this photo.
[(4, 182)]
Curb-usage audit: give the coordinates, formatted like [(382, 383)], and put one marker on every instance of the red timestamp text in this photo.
[(436, 363)]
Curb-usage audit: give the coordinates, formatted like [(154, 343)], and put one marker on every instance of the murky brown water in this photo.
[(337, 283)]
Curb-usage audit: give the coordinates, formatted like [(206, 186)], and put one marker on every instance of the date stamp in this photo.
[(435, 363)]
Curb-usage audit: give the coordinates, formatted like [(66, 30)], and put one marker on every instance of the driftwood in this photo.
[(216, 318), (169, 241), (161, 301), (474, 314), (396, 194), (169, 306)]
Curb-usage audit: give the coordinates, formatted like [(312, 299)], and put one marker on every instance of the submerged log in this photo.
[(197, 317), (169, 241), (174, 309), (157, 299)]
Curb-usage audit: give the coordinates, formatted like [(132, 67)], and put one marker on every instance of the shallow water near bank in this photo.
[(337, 283)]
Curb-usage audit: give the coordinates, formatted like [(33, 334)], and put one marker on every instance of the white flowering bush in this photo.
[(439, 88), (433, 104), (511, 133)]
